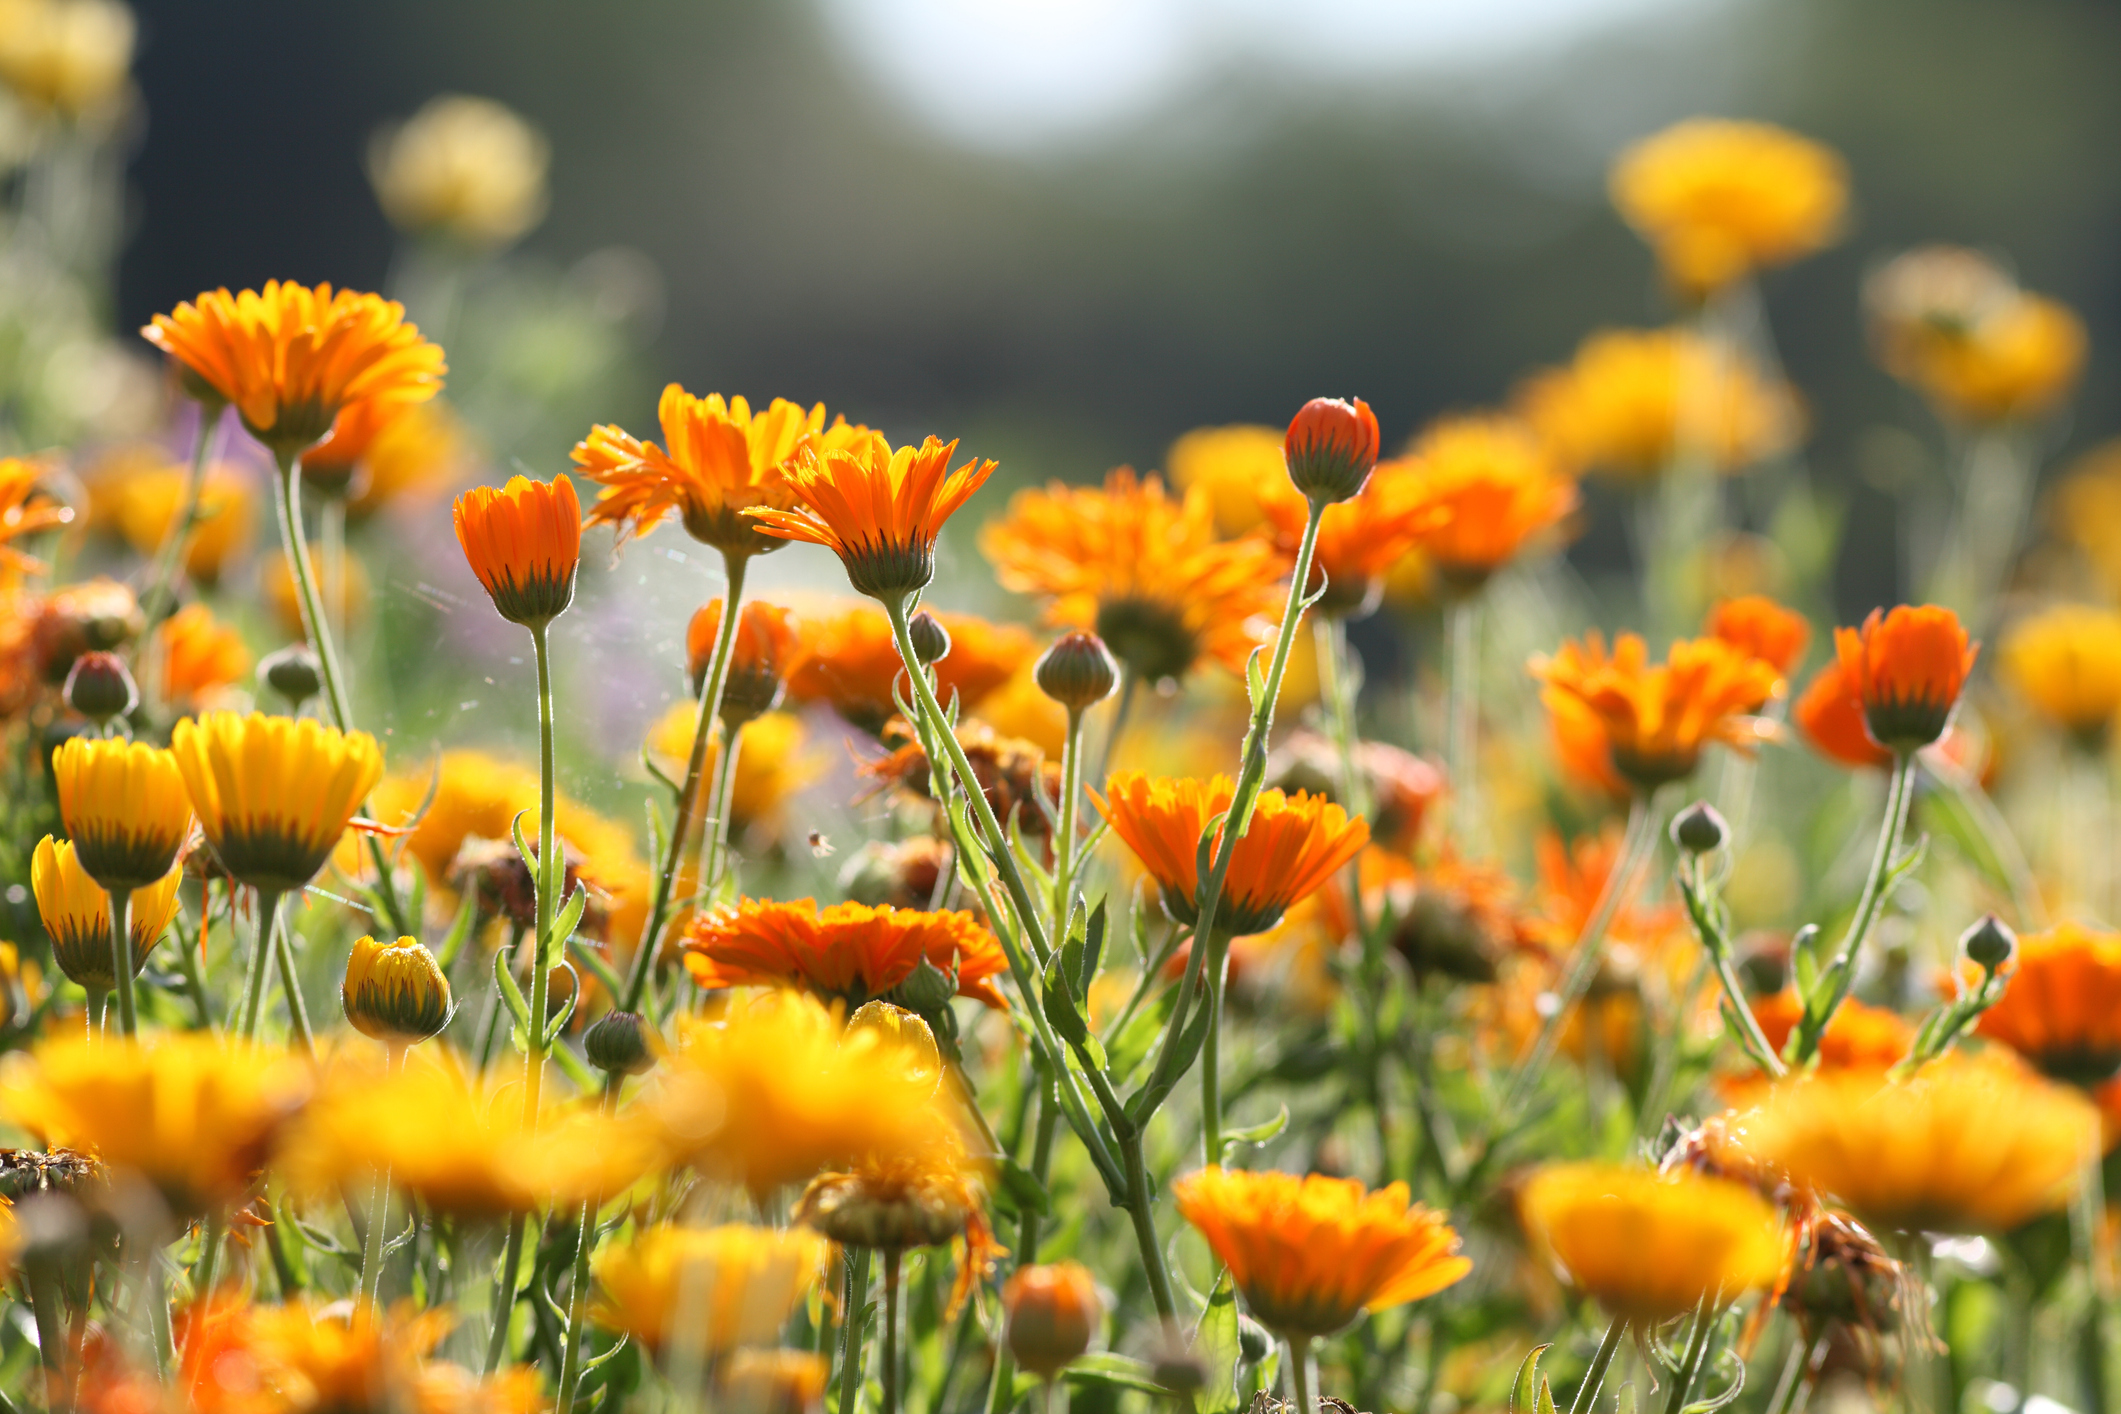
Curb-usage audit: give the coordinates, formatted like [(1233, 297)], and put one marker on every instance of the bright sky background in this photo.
[(1014, 74)]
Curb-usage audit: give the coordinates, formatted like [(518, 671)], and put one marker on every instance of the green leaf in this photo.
[(570, 918), (577, 1070), (1060, 1008), (510, 993), (1020, 1190), (1093, 950), (590, 958), (1215, 1345), (1529, 1392), (515, 832), (1256, 1133), (1126, 1051), (1114, 1371), (459, 930)]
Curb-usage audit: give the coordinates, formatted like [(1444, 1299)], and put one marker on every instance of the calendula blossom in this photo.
[(76, 914), (2062, 1007), (274, 794), (848, 952), (2066, 661), (748, 1281), (1907, 668), (1658, 718)]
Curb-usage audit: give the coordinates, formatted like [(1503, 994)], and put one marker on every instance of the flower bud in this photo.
[(1331, 448), (1053, 1311), (1254, 1341), (292, 672), (931, 641), (902, 1031), (1078, 671), (1989, 944), (99, 687), (926, 990), (395, 992), (621, 1042), (1699, 828)]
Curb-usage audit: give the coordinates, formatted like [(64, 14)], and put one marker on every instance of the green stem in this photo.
[(1842, 970), (891, 1261), (53, 1350), (1463, 719), (260, 956), (1064, 836), (1697, 1353), (156, 601), (504, 1296), (710, 703), (577, 1308), (1640, 841), (718, 808), (1594, 1378), (1143, 1214), (94, 1014), (378, 1214), (1300, 1375), (188, 965), (121, 959), (290, 985), (1796, 1373), (202, 1280), (551, 873), (287, 497), (851, 1324), (1211, 1077), (1708, 926)]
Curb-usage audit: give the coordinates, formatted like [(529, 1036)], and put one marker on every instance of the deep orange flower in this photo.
[(878, 508), (848, 661), (1294, 844), (200, 654), (20, 514), (1581, 748), (1489, 487), (1311, 1254), (1359, 539), (849, 952), (524, 542), (1830, 715), (768, 646), (718, 460), (1907, 668), (1658, 717), (1763, 628), (2062, 1008), (1857, 1037), (1330, 447), (1140, 569), (292, 358)]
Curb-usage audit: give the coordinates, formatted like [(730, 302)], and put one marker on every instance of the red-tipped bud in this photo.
[(1331, 448)]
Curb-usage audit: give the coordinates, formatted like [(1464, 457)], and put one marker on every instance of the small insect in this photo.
[(819, 845)]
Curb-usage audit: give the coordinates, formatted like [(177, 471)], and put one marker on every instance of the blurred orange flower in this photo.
[(2062, 1007), (1358, 539), (1763, 628), (200, 655), (1830, 714), (848, 661), (1484, 487), (1657, 718)]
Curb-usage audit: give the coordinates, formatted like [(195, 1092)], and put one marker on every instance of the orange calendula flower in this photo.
[(718, 460), (2066, 661), (1761, 627), (2062, 1007), (1652, 1246), (848, 952), (524, 542), (878, 508), (1907, 668), (1657, 718), (768, 647), (1360, 538), (24, 510), (1964, 1145), (1718, 200), (200, 655), (1311, 1254), (1294, 844), (1632, 401), (293, 358), (1581, 748), (1486, 487), (848, 661), (1142, 570), (1830, 714), (1858, 1036)]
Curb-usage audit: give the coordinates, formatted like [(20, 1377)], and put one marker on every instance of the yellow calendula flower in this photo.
[(1718, 200), (1235, 466), (190, 1114), (1962, 1146), (772, 1382), (467, 168), (1651, 1246), (777, 1090), (146, 506), (395, 992), (713, 1290), (1311, 1254), (458, 1147), (1954, 325), (68, 57), (274, 794), (891, 1205), (124, 804), (2066, 661), (1633, 400), (76, 914), (774, 760)]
